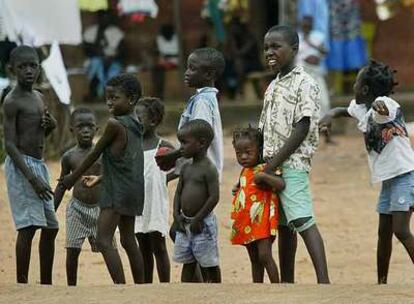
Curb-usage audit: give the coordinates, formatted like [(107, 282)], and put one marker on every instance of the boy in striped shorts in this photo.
[(82, 211)]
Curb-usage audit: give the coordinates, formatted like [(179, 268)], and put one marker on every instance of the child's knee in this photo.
[(302, 224), (49, 234), (104, 244), (127, 242), (402, 233)]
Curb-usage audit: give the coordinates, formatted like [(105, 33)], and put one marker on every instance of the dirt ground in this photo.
[(345, 210)]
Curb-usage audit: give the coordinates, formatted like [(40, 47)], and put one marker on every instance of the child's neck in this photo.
[(85, 146), (199, 157), (150, 134), (24, 87), (287, 69), (209, 84)]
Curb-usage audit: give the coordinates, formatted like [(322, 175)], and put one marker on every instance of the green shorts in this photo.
[(296, 201)]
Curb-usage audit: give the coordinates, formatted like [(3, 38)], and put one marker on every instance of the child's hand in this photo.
[(260, 179), (196, 226), (325, 124), (91, 180), (66, 182), (179, 223), (380, 107), (48, 122), (41, 188), (235, 188), (166, 159)]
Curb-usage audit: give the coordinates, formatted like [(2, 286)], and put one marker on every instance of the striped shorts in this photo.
[(82, 223)]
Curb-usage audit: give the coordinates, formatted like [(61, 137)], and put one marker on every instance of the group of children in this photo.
[(121, 181)]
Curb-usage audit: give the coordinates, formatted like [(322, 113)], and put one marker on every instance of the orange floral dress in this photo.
[(255, 212)]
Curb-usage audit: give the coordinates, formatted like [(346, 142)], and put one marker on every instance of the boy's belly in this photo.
[(193, 199)]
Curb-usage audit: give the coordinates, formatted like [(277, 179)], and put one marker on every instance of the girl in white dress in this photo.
[(152, 227)]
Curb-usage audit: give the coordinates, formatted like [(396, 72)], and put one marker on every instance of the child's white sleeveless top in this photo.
[(155, 214)]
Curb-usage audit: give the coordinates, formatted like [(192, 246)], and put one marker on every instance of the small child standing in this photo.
[(152, 227), (390, 156), (122, 195), (26, 124), (195, 198), (82, 211), (255, 212)]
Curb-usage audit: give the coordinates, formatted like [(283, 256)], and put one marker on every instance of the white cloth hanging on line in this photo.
[(41, 22), (55, 72)]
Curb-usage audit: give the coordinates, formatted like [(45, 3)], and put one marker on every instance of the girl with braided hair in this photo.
[(255, 214), (390, 156)]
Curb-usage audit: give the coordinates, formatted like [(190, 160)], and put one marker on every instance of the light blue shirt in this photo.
[(204, 105)]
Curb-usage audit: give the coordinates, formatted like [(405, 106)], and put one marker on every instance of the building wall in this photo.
[(394, 42)]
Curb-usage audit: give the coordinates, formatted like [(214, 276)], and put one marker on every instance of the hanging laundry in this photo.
[(33, 23), (147, 7), (93, 5), (55, 72)]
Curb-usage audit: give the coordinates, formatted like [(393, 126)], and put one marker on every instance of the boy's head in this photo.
[(248, 145), (24, 63), (204, 66), (281, 44), (83, 126), (374, 80), (307, 24), (150, 111), (122, 93), (195, 137)]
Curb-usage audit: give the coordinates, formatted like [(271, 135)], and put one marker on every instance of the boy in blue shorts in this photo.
[(195, 198), (26, 124)]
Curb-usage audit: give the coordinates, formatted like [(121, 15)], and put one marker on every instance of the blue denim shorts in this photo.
[(201, 248), (26, 206), (397, 194)]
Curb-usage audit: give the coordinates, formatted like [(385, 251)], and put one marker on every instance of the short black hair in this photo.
[(21, 50), (199, 129), (80, 110), (212, 59), (250, 132), (379, 77), (129, 85), (154, 106), (288, 32)]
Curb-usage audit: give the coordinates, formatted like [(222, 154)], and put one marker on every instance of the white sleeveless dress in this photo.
[(155, 214)]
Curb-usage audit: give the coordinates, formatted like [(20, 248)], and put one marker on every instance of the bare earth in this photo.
[(345, 210)]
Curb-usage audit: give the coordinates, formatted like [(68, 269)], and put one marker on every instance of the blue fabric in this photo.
[(397, 194), (26, 206), (96, 68), (319, 10), (202, 248), (345, 55)]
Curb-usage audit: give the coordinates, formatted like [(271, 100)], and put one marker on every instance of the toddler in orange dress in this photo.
[(255, 213)]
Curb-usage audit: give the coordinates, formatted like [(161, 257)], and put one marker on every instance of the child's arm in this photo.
[(213, 188), (112, 129), (178, 219), (91, 180), (41, 188), (269, 181), (325, 123), (59, 190), (298, 135)]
